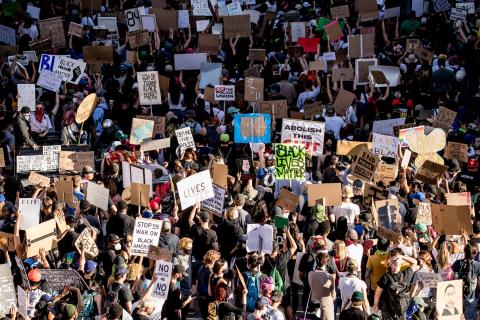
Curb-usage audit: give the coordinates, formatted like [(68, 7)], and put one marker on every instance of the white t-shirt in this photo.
[(177, 106), (347, 210), (335, 124), (348, 285), (355, 252)]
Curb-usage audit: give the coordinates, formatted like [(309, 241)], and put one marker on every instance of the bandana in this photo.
[(39, 113)]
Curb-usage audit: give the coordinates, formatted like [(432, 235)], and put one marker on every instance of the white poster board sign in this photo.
[(26, 96), (260, 238), (146, 233), (97, 195), (30, 209), (189, 61), (215, 204), (132, 18), (50, 80), (149, 88), (309, 133), (185, 138), (163, 270), (195, 188)]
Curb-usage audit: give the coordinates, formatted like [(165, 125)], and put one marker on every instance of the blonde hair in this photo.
[(444, 255), (425, 257), (184, 242), (211, 256), (340, 249)]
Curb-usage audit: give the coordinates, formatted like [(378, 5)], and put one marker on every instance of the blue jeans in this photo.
[(470, 309)]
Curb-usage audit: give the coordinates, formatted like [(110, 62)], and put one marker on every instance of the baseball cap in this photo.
[(34, 275), (357, 296), (113, 237), (68, 311), (88, 169), (231, 110), (121, 270), (90, 266)]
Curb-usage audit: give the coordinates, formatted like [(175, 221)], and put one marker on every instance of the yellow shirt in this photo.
[(377, 264)]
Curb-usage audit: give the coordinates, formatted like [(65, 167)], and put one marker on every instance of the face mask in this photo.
[(27, 117), (117, 247), (188, 251)]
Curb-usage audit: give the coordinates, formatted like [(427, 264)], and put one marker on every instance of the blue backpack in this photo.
[(253, 288)]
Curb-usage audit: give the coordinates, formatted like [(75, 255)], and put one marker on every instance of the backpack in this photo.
[(467, 275), (253, 288), (213, 312), (88, 306), (277, 280), (397, 294), (112, 296)]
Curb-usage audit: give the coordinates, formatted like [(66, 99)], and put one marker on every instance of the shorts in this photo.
[(287, 299)]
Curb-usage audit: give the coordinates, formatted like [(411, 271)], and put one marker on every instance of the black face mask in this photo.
[(188, 251)]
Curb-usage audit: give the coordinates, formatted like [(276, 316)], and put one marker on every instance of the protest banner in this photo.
[(53, 28), (276, 108), (49, 80), (146, 233), (157, 253), (449, 299), (252, 128), (86, 108), (385, 172), (451, 220), (289, 161), (385, 127), (365, 165), (189, 61), (7, 290), (384, 146), (40, 236), (444, 119), (30, 209), (430, 172), (140, 194), (210, 74), (132, 17), (37, 179), (459, 198), (387, 214), (351, 148), (7, 35), (362, 70), (287, 200), (26, 96), (308, 133), (224, 93), (361, 46), (87, 243), (208, 43), (195, 188), (185, 138), (75, 161), (58, 279), (424, 213), (158, 126), (458, 14), (239, 24), (149, 88), (426, 146), (260, 238), (97, 195), (163, 271), (254, 88), (155, 144), (246, 169), (457, 151), (141, 131), (215, 205), (331, 192)]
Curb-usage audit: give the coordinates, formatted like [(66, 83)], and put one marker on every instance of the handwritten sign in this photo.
[(424, 213), (289, 161), (308, 133), (457, 151), (149, 88), (430, 172), (7, 290), (215, 205), (365, 165), (141, 131), (385, 146), (163, 270), (444, 118), (86, 242), (195, 188), (75, 161), (185, 138)]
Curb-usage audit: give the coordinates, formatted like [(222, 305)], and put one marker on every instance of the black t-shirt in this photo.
[(107, 258), (385, 282), (121, 225), (353, 314), (203, 240), (173, 302), (228, 234), (124, 294), (280, 263)]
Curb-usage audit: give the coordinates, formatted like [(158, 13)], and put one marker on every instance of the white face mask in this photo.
[(27, 116), (118, 246)]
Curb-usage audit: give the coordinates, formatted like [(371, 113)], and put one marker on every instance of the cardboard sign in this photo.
[(333, 30), (260, 238), (155, 144), (451, 219), (141, 131), (385, 172), (149, 88), (163, 271), (345, 74), (457, 151), (195, 188), (428, 280), (287, 200), (236, 24), (246, 169), (384, 146), (37, 179), (367, 9), (208, 43), (319, 65), (308, 133), (7, 291), (40, 236), (26, 96), (339, 12), (424, 213), (86, 242), (365, 165), (254, 88), (459, 199), (309, 44), (331, 192), (86, 108), (289, 161), (426, 146), (351, 148), (53, 28), (312, 109), (430, 172), (257, 55), (146, 233), (140, 194), (252, 128), (215, 205), (75, 161), (185, 138), (97, 195), (388, 234), (65, 191), (444, 119), (75, 29), (224, 93), (277, 108), (388, 214), (30, 209), (157, 253), (382, 76), (458, 14), (362, 70), (370, 192), (424, 54), (189, 61), (219, 174), (385, 127), (361, 46), (98, 54), (343, 101), (50, 80), (138, 39)]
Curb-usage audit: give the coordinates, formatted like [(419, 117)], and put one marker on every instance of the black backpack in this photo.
[(467, 275), (396, 295)]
